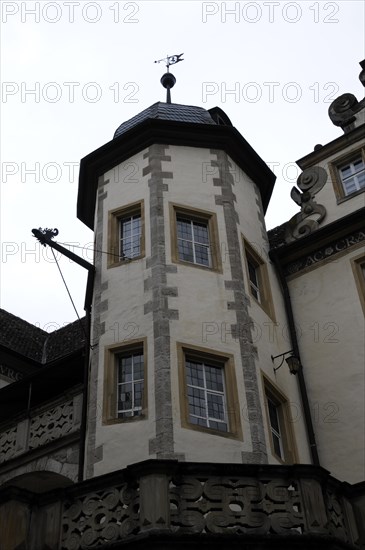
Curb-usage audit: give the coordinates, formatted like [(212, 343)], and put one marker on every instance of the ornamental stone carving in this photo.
[(310, 182), (236, 505), (8, 444), (343, 109), (52, 424), (30, 433), (99, 518), (170, 500)]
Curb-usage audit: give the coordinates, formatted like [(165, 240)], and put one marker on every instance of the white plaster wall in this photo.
[(126, 442), (330, 320), (202, 303), (203, 299)]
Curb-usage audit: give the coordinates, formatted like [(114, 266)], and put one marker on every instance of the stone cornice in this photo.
[(155, 131), (325, 253), (323, 244), (331, 148)]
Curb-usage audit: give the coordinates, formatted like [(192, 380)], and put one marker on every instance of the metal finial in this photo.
[(171, 60), (168, 80)]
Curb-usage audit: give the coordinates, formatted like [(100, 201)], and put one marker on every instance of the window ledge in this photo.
[(126, 420), (125, 262), (340, 200)]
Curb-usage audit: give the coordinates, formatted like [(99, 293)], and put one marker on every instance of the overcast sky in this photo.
[(73, 71)]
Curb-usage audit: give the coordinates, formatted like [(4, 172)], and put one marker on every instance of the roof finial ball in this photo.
[(168, 80)]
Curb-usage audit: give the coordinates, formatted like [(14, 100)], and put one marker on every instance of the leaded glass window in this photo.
[(206, 395), (130, 384), (193, 241), (130, 236)]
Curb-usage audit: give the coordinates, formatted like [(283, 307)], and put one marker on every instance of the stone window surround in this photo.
[(113, 232), (358, 269), (200, 215), (272, 391), (266, 301), (335, 175), (232, 401), (112, 353)]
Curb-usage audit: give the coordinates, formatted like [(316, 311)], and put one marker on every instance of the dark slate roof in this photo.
[(167, 111), (276, 236), (65, 341), (36, 344), (21, 337)]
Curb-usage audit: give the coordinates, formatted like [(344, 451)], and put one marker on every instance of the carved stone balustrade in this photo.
[(48, 423), (165, 504)]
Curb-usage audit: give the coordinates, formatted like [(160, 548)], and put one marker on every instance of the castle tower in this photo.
[(183, 311)]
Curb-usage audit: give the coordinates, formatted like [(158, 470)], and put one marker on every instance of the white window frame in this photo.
[(136, 410), (193, 242), (352, 176), (130, 217), (232, 407), (254, 285), (274, 433), (113, 355), (195, 216), (207, 391), (286, 437)]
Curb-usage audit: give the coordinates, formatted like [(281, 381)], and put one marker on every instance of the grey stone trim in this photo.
[(147, 284), (98, 454), (163, 444), (243, 327), (103, 306), (98, 328), (102, 328), (251, 458), (260, 214)]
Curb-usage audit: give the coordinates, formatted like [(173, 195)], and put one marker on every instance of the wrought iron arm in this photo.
[(45, 237)]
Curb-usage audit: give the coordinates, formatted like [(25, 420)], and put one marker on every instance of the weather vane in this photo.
[(170, 60), (168, 80)]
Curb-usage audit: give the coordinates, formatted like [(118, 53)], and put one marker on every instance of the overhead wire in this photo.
[(73, 304), (90, 249)]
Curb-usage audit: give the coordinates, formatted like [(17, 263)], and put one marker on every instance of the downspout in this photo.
[(83, 427), (295, 347)]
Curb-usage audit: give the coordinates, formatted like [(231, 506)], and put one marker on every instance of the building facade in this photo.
[(216, 393)]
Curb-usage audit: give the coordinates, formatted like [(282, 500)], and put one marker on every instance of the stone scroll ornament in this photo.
[(312, 214), (342, 110)]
